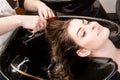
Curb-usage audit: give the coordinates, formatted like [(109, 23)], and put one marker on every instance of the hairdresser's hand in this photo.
[(33, 23), (44, 11)]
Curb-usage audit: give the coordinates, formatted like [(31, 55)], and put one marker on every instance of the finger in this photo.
[(35, 29), (41, 15), (42, 26), (46, 15), (49, 15), (38, 28), (43, 22), (30, 30), (52, 13)]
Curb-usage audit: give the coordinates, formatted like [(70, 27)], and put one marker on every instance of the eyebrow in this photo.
[(79, 28), (78, 31)]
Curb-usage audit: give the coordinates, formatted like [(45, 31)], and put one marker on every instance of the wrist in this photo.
[(38, 4), (33, 5), (18, 20)]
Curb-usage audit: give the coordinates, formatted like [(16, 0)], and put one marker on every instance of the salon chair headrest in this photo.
[(107, 23), (98, 69)]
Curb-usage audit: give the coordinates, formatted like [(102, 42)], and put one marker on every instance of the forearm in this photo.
[(9, 23), (37, 5), (32, 5)]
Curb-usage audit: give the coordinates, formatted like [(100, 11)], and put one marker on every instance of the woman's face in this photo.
[(89, 35)]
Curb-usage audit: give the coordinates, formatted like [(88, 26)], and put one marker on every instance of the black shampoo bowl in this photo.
[(30, 53)]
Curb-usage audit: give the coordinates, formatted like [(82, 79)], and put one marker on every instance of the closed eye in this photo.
[(83, 34), (78, 31)]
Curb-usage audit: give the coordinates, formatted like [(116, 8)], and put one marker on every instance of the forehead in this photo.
[(74, 25), (75, 21)]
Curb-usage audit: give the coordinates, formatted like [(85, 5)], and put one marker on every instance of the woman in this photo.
[(76, 43)]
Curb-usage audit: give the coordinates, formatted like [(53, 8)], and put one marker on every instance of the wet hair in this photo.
[(63, 49), (58, 37)]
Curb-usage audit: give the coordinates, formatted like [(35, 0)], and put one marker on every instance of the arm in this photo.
[(29, 22), (36, 5), (11, 21), (35, 23)]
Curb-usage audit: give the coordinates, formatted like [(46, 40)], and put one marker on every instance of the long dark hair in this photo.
[(64, 48)]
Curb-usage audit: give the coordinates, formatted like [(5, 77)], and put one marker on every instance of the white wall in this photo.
[(109, 5)]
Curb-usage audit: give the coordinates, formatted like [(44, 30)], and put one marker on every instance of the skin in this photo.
[(74, 37), (33, 23), (43, 10), (84, 33), (93, 38)]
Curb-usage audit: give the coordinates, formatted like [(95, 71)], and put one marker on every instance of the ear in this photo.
[(83, 52)]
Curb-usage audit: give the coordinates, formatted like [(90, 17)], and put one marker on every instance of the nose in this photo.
[(90, 27), (93, 27)]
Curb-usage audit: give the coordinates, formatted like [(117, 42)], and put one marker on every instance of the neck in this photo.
[(107, 50)]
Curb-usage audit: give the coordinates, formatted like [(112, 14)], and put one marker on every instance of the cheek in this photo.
[(89, 39), (89, 42), (93, 43)]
